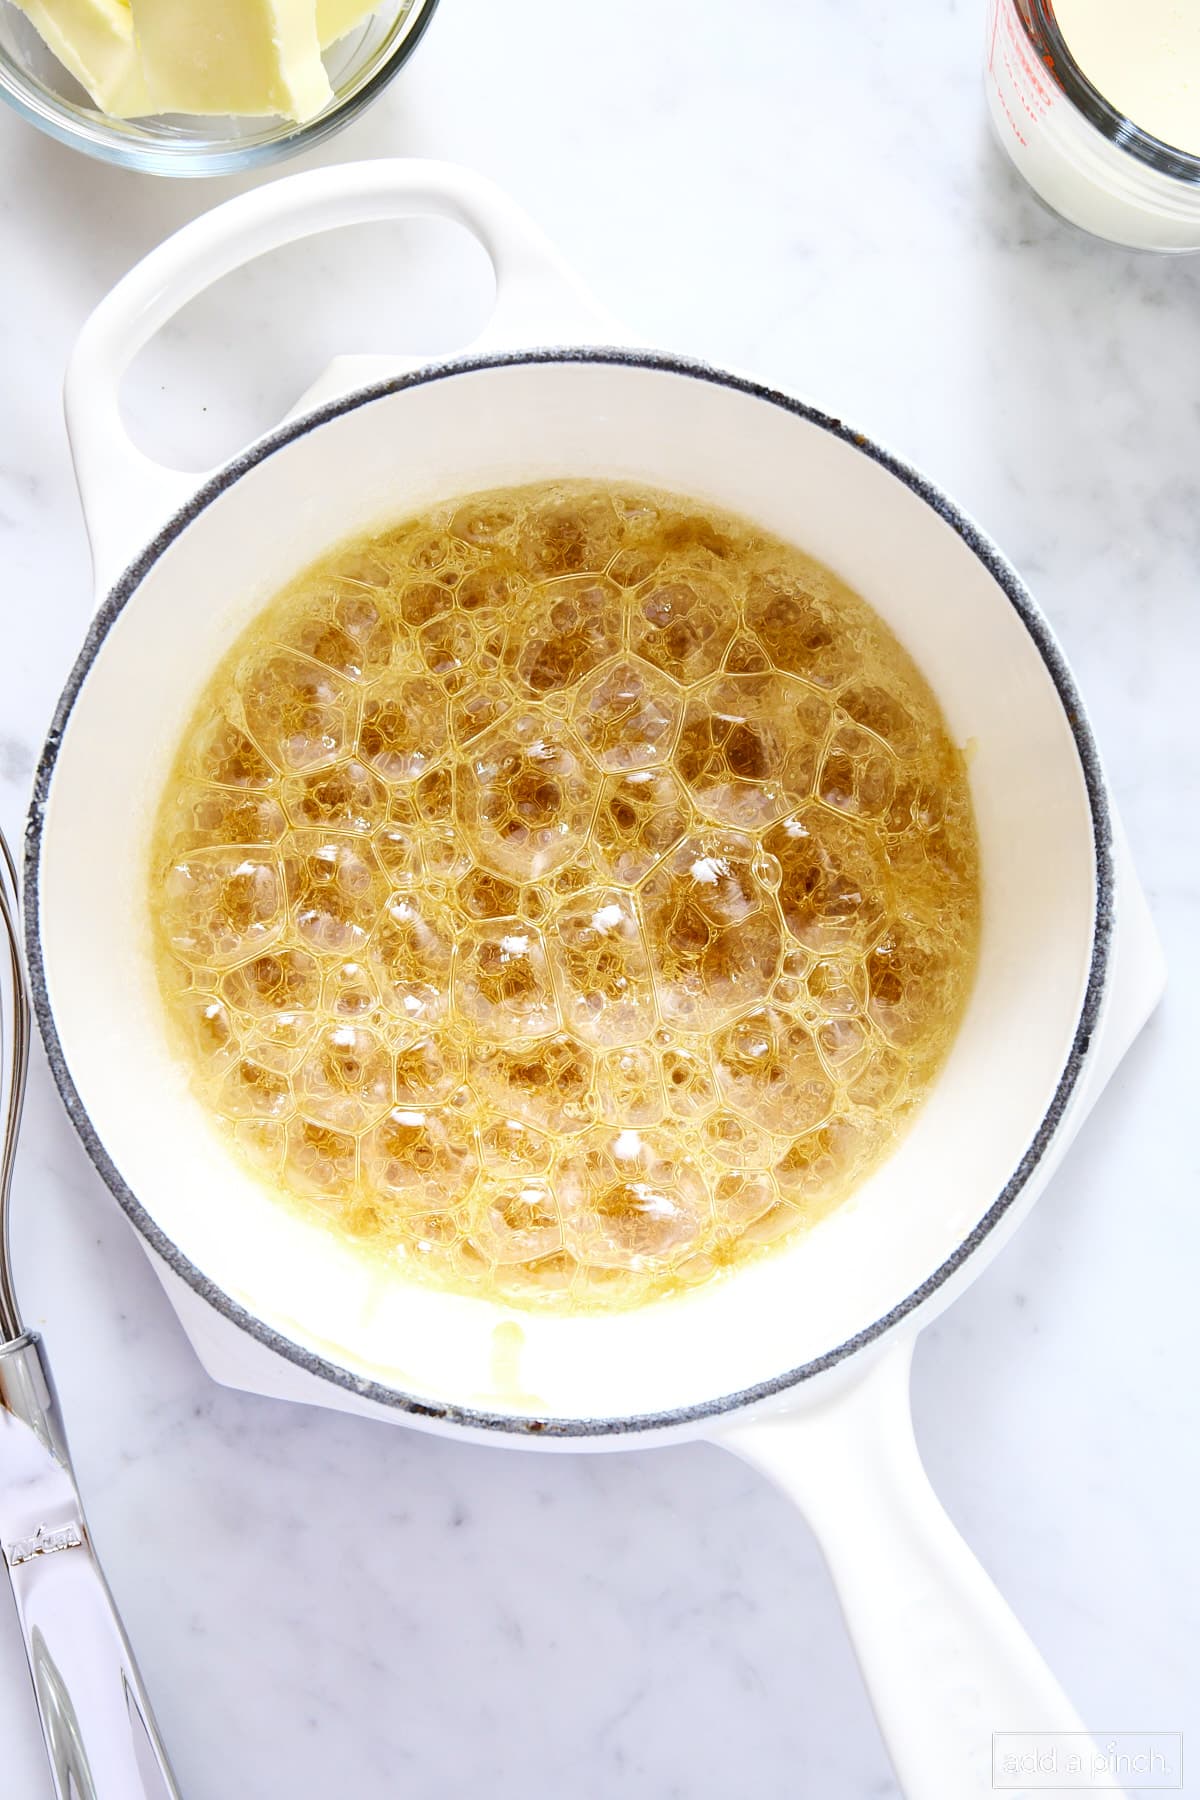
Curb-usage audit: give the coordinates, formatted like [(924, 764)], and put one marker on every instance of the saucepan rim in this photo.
[(1007, 581)]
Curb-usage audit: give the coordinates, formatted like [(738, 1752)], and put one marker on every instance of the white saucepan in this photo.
[(798, 1363)]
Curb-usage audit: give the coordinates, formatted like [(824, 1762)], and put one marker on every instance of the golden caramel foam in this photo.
[(566, 893)]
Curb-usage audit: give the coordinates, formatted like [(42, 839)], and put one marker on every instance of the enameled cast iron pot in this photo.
[(798, 1363)]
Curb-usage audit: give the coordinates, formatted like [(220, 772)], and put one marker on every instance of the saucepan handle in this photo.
[(945, 1661), (99, 1731), (126, 495)]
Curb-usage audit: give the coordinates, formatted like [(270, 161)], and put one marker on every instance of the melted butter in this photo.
[(508, 1389)]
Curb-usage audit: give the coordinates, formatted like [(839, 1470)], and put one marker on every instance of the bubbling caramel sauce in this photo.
[(566, 893)]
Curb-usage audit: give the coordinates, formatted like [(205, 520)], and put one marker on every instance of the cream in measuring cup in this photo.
[(1097, 102)]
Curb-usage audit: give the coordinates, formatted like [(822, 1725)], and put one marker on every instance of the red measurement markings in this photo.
[(991, 61), (1042, 96), (1008, 113)]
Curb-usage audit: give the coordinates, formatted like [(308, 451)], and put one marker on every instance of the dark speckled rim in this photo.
[(1039, 631)]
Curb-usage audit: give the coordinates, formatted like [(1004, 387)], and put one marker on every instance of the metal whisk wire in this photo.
[(14, 1025)]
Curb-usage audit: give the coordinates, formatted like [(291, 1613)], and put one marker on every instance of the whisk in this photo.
[(99, 1731)]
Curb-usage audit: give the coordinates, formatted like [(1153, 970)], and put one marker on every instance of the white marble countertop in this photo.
[(327, 1607)]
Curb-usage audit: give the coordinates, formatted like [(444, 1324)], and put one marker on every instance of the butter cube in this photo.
[(93, 39), (336, 17), (232, 56)]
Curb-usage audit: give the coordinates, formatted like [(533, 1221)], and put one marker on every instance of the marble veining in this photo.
[(808, 193)]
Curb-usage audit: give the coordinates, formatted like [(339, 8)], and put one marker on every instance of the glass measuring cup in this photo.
[(1085, 159)]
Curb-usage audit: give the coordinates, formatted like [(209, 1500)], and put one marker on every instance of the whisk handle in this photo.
[(99, 1731)]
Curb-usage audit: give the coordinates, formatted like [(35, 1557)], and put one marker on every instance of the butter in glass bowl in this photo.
[(200, 87)]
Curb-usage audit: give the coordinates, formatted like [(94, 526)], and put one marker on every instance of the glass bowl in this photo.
[(360, 65)]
